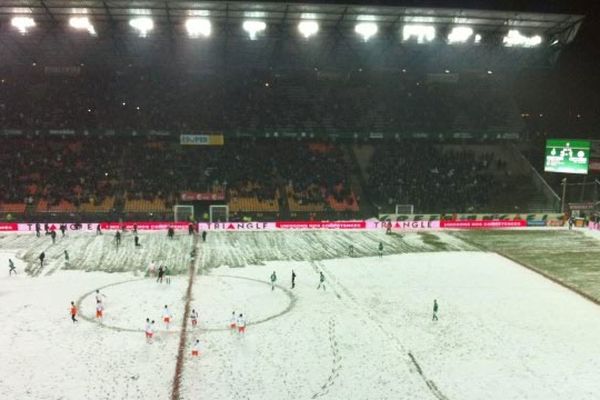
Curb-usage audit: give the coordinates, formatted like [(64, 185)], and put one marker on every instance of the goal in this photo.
[(405, 209), (218, 213), (183, 213)]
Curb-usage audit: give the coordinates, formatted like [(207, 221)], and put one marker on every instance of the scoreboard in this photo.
[(567, 156)]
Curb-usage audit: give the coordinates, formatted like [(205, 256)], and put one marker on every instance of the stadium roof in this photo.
[(172, 11), (51, 37)]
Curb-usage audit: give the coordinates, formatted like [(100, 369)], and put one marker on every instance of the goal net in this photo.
[(218, 213), (183, 213), (405, 209)]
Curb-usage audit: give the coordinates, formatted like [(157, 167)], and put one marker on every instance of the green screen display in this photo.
[(567, 156)]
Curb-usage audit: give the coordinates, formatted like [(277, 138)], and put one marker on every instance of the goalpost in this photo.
[(405, 209), (183, 213), (218, 213)]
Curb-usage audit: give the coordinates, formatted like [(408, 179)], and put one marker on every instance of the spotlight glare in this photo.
[(254, 27), (366, 29), (460, 34), (422, 33), (514, 38), (197, 27), (142, 24), (82, 23), (22, 23), (308, 28)]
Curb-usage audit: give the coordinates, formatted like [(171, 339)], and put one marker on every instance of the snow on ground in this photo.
[(504, 332)]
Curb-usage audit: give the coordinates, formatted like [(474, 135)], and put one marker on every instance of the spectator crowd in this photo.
[(250, 101)]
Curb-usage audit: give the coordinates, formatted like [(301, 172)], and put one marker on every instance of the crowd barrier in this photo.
[(548, 218), (276, 225)]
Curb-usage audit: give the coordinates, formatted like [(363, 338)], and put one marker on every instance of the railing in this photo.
[(552, 202)]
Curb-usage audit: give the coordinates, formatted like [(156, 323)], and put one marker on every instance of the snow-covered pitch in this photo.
[(504, 332)]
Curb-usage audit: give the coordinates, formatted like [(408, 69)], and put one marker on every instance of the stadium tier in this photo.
[(145, 178)]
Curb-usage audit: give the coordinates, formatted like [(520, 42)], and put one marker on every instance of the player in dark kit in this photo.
[(321, 281), (37, 230), (136, 240), (63, 228), (118, 238), (161, 274), (53, 236), (170, 233), (11, 267), (293, 279), (204, 236), (380, 249), (435, 311), (190, 229), (273, 280), (41, 257)]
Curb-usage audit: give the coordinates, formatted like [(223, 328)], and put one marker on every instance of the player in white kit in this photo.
[(149, 330), (194, 318), (241, 324), (167, 316), (233, 321), (196, 348)]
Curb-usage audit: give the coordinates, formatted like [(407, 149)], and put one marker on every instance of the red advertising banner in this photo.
[(7, 227), (482, 224), (144, 226), (282, 225), (197, 196), (336, 225)]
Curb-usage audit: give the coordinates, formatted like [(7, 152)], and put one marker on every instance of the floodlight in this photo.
[(22, 23), (197, 27), (460, 34), (514, 38), (82, 23), (477, 38), (366, 30), (142, 24), (253, 27), (422, 33), (308, 28)]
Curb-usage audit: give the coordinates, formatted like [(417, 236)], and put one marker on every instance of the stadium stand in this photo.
[(423, 174), (143, 99)]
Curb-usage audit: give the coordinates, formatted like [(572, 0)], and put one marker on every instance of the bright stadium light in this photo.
[(197, 27), (514, 38), (460, 34), (422, 33), (22, 23), (366, 29), (254, 27), (308, 28), (82, 23), (142, 24)]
